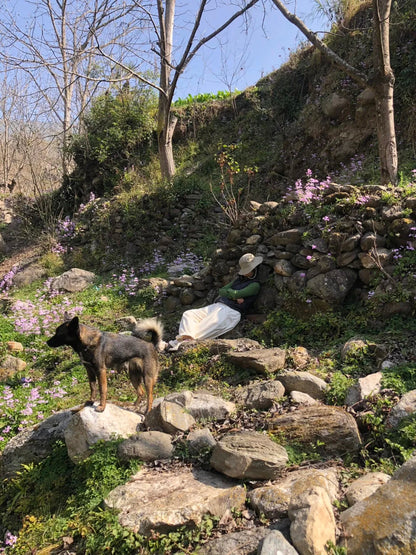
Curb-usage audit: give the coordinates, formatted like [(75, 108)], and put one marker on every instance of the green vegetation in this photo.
[(230, 148), (204, 97), (117, 138)]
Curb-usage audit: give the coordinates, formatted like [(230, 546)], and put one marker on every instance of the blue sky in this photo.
[(241, 55), (246, 57)]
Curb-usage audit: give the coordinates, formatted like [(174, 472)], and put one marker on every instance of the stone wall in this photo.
[(344, 244)]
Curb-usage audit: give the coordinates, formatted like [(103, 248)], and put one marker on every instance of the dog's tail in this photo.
[(152, 327)]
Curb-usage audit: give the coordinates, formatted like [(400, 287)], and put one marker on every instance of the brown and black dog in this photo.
[(101, 350)]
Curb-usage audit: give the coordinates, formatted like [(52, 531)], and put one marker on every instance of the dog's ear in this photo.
[(73, 325)]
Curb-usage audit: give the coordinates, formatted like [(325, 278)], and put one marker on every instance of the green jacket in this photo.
[(241, 288)]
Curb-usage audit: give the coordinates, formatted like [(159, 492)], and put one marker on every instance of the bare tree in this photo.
[(173, 61), (10, 104), (382, 81), (29, 155), (55, 45)]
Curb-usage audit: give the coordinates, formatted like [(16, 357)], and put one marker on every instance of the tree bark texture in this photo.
[(165, 123), (383, 86)]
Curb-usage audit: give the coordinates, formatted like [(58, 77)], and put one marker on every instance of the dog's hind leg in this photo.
[(136, 378), (149, 383)]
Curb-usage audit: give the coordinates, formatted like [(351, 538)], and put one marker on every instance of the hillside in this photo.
[(323, 370)]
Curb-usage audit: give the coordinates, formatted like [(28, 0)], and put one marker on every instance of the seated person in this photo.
[(235, 300)]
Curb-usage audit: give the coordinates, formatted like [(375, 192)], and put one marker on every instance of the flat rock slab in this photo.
[(333, 426), (165, 501), (264, 361)]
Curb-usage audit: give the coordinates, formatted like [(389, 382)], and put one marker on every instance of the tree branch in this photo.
[(359, 77)]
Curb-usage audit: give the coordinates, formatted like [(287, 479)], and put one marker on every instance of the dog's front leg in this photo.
[(92, 379), (102, 384)]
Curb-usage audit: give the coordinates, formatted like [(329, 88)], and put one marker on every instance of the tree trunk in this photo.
[(165, 129), (383, 86), (386, 133), (165, 123)]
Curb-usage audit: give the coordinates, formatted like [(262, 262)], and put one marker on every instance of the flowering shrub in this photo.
[(127, 282), (187, 262), (43, 314), (7, 281), (307, 192)]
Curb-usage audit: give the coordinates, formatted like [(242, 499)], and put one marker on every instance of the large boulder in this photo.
[(30, 273), (333, 286), (385, 522), (332, 426), (34, 444), (88, 426)]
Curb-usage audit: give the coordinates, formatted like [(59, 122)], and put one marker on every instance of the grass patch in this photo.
[(65, 499)]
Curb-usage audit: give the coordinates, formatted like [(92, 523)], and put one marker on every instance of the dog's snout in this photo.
[(53, 342)]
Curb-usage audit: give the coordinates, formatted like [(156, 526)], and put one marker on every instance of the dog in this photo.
[(101, 350)]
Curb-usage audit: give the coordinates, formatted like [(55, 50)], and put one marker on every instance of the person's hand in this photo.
[(240, 301)]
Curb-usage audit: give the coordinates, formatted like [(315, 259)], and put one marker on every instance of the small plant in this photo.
[(401, 378), (187, 371), (338, 388), (233, 193), (333, 549), (309, 192), (405, 258), (299, 453)]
